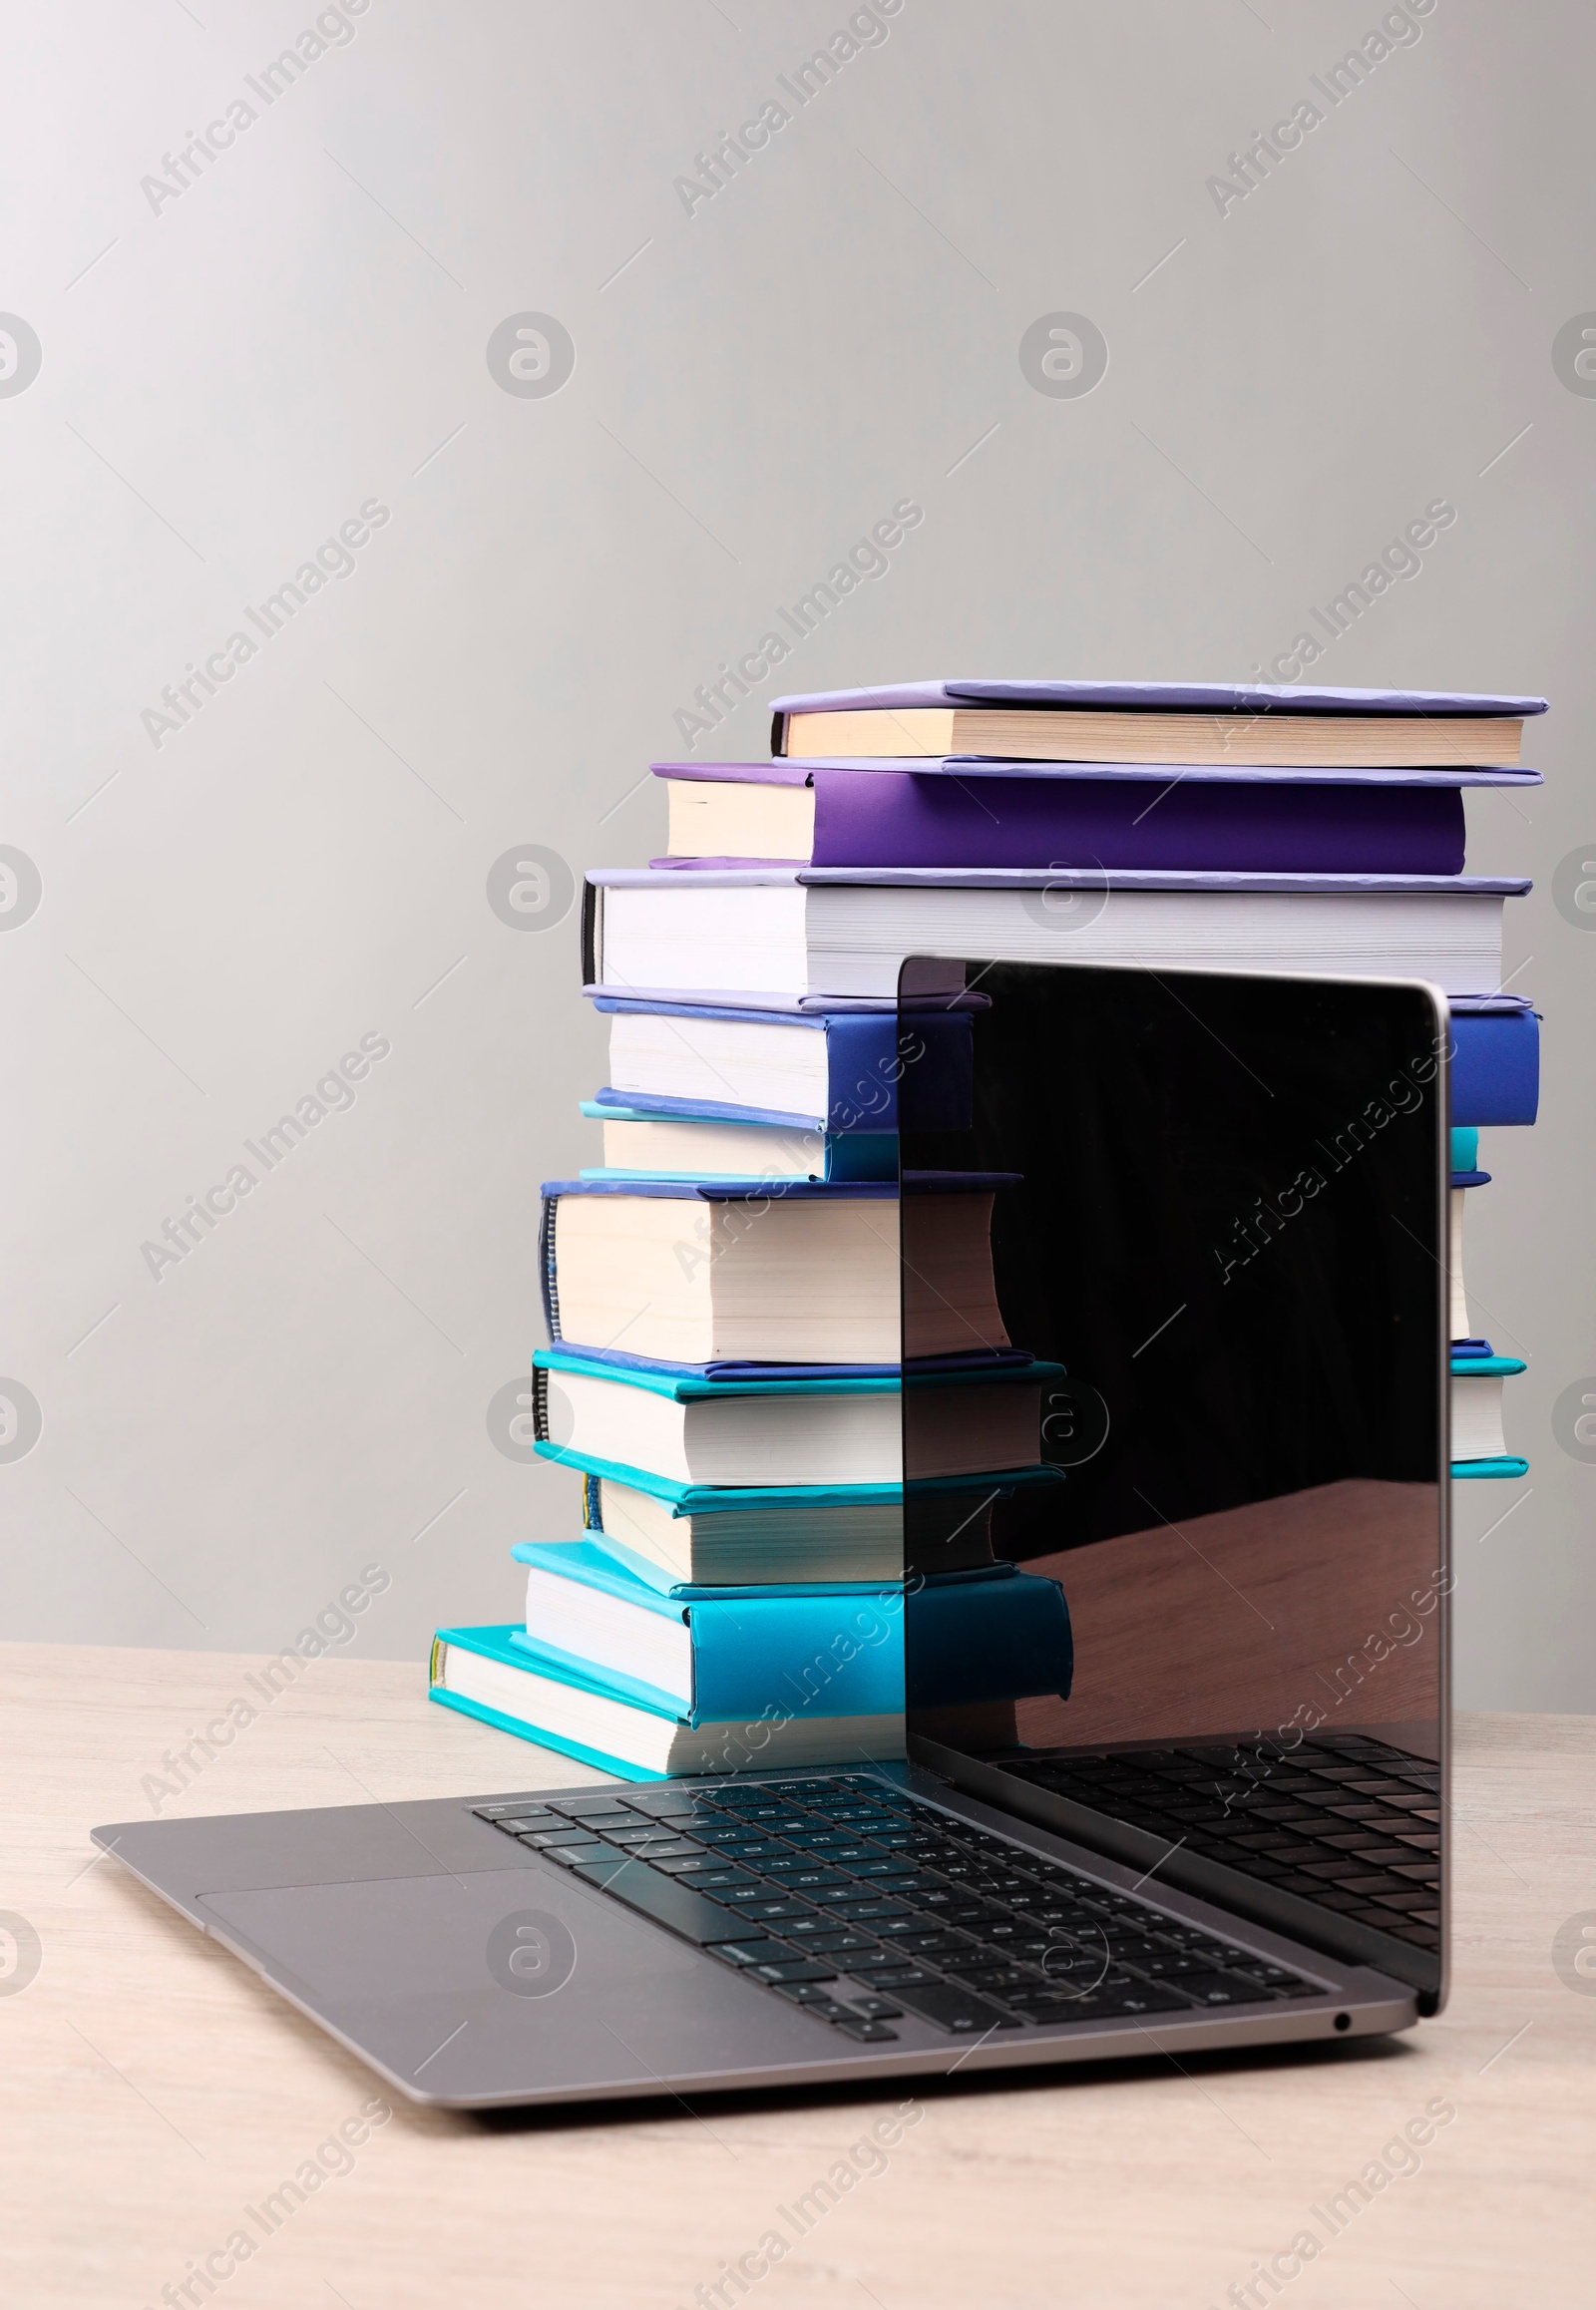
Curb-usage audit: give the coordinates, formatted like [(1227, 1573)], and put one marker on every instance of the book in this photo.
[(835, 1071), (692, 1272), (757, 1534), (964, 814), (994, 1633), (1465, 1174), (988, 1635), (482, 1673), (1476, 1407), (1495, 1063), (812, 935), (1269, 726), (826, 1427), (712, 1655), (685, 1144)]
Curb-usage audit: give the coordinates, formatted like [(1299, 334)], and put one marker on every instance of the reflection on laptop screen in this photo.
[(1196, 1616)]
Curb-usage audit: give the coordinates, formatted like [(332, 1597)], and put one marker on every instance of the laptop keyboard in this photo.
[(1348, 1824), (859, 1903)]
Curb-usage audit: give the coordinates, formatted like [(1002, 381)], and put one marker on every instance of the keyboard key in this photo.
[(870, 1962), (869, 2033), (801, 1875), (956, 2010), (540, 1833), (1274, 1977), (875, 1911), (1220, 1989), (707, 1875), (795, 1969), (896, 1977), (837, 1944), (993, 1977), (586, 1849), (878, 2009), (749, 1901), (750, 1952), (526, 1807)]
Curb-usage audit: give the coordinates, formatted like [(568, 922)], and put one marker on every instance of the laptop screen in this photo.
[(1174, 1509)]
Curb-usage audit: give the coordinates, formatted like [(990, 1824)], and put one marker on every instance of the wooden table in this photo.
[(155, 2087)]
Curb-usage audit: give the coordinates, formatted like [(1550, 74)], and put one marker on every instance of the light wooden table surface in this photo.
[(153, 2086)]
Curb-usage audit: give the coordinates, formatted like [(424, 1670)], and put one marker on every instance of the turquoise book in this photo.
[(712, 1655), (1480, 1443), (731, 1535), (990, 1632), (485, 1674)]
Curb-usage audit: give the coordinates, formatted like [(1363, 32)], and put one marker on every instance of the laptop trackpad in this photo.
[(502, 1981)]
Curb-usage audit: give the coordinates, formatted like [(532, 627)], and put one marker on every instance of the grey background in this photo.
[(224, 382)]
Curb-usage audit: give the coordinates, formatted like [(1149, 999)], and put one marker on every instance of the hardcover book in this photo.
[(959, 812), (1171, 723)]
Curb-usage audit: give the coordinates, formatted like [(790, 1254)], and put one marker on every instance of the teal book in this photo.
[(723, 1534), (641, 1142), (1479, 1447), (756, 1427), (712, 1655), (484, 1674)]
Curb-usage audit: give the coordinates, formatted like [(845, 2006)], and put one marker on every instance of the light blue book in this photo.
[(712, 1655), (484, 1674)]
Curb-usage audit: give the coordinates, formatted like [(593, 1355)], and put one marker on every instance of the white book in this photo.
[(751, 937)]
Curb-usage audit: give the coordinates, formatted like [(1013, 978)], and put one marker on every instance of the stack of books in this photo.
[(723, 1290)]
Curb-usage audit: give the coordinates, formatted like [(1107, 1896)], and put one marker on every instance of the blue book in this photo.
[(1495, 1066), (683, 1143), (485, 1674), (832, 1071), (712, 1655)]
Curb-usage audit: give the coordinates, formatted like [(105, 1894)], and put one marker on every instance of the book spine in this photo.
[(589, 934), (547, 1267), (540, 1403), (778, 734)]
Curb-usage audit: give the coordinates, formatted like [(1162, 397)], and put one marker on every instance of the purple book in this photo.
[(958, 814), (1170, 697)]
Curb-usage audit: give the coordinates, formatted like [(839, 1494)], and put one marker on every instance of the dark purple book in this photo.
[(954, 813)]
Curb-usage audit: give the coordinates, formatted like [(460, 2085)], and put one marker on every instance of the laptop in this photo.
[(1199, 1803)]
